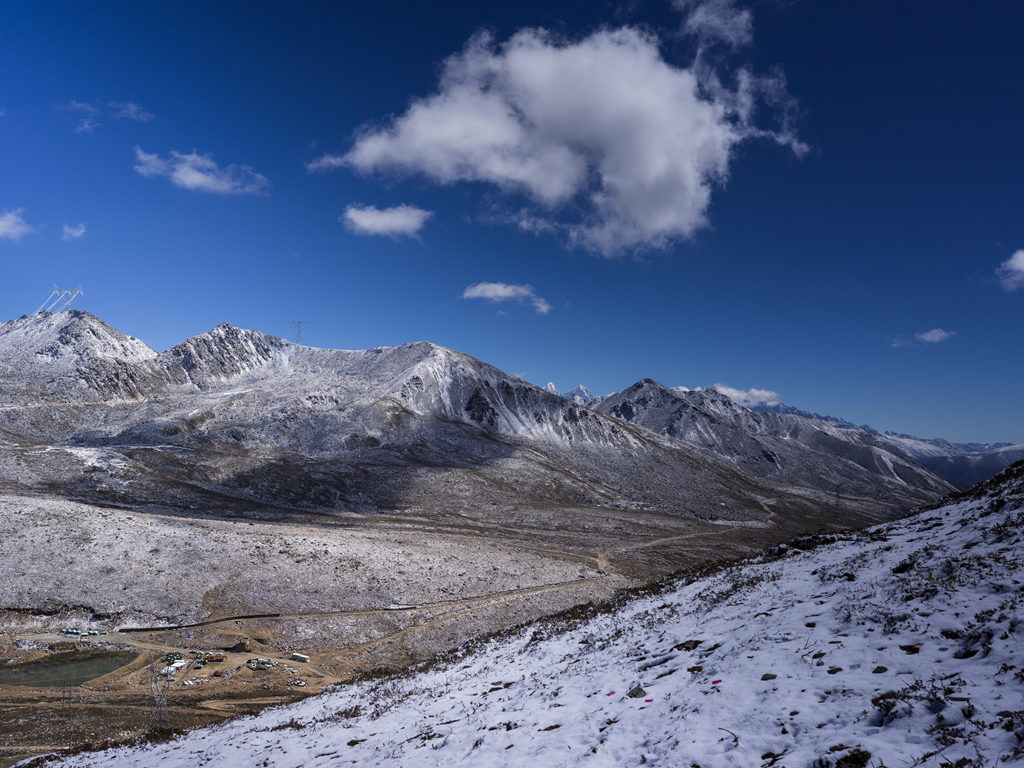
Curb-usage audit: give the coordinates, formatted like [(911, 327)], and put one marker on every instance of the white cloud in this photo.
[(13, 226), (497, 292), (749, 397), (200, 173), (934, 336), (399, 221), (615, 147), (718, 20), (328, 162), (73, 233), (129, 110), (1011, 271)]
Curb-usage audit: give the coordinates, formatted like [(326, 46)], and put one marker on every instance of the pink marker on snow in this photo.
[(610, 693), (648, 701), (715, 682)]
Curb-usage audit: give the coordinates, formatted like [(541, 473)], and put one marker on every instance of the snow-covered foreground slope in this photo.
[(897, 646)]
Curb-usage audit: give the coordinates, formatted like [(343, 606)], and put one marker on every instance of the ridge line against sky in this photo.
[(693, 191)]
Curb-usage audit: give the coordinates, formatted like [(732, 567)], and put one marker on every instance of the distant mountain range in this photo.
[(962, 464), (234, 417)]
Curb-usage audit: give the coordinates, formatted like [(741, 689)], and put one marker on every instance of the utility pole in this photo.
[(297, 324)]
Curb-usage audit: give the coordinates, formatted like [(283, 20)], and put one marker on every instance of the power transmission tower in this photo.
[(159, 720), (59, 299), (297, 324)]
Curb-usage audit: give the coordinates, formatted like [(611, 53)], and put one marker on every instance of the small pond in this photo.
[(65, 669)]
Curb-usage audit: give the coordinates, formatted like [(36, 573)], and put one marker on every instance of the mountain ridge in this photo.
[(962, 464), (252, 416), (785, 447)]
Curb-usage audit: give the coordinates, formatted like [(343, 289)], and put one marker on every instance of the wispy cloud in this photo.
[(748, 397), (497, 292), (91, 113), (613, 147), (88, 122), (717, 20), (73, 233), (199, 173), (934, 336), (1011, 272), (328, 162), (129, 110), (399, 221), (13, 225)]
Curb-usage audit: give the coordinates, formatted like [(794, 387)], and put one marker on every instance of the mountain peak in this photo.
[(578, 394), (68, 337), (225, 351), (579, 391)]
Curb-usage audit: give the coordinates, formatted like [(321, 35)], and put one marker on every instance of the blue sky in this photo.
[(823, 200)]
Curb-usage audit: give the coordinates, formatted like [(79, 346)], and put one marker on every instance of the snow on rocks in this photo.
[(897, 646)]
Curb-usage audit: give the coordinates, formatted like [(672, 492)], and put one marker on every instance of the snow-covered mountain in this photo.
[(782, 408), (962, 464), (578, 394), (243, 416), (234, 416), (66, 356), (784, 447), (899, 645)]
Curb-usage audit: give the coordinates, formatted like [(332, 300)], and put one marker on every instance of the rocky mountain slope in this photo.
[(897, 646), (781, 447)]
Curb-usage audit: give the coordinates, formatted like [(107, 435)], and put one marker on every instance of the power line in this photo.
[(59, 299)]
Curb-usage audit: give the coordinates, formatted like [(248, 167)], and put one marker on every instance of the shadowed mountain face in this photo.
[(235, 417), (781, 447)]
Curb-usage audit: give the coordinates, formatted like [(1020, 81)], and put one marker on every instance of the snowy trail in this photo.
[(469, 601)]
